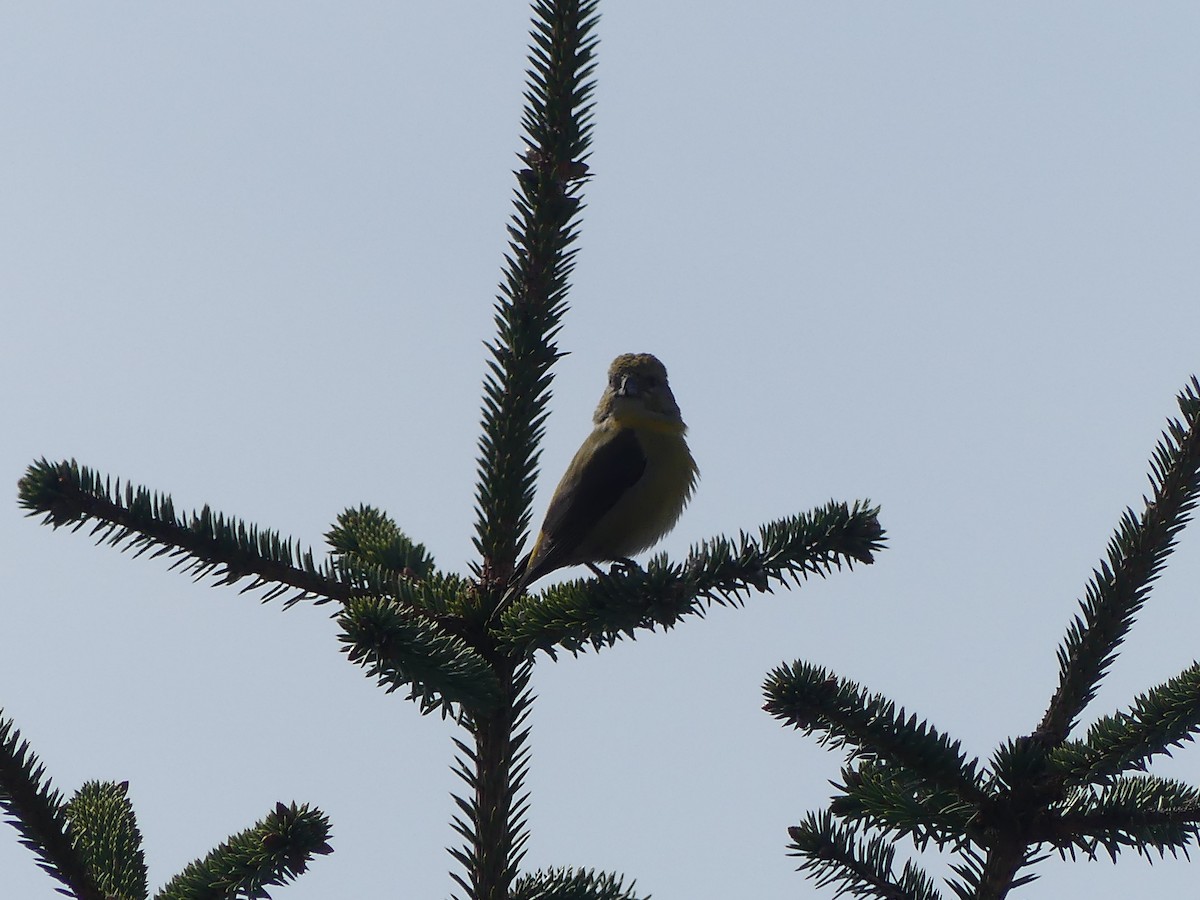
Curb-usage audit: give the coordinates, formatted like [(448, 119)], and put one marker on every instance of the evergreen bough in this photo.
[(1039, 793), (431, 633), (411, 626), (92, 846)]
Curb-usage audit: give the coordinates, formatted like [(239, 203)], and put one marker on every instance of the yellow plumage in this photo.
[(627, 485)]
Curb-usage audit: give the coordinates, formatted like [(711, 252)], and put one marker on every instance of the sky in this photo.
[(941, 256)]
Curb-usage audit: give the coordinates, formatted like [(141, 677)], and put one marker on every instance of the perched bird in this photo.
[(626, 485)]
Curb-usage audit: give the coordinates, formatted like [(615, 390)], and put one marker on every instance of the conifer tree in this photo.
[(410, 625), (1043, 792)]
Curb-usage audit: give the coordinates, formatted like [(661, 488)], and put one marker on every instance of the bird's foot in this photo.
[(621, 566)]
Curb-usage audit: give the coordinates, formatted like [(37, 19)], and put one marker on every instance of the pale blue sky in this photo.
[(939, 255)]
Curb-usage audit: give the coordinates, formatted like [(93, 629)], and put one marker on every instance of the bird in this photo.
[(627, 484)]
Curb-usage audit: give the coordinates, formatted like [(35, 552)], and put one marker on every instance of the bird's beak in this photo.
[(628, 387)]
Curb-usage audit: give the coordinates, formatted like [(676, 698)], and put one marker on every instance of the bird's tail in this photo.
[(516, 587)]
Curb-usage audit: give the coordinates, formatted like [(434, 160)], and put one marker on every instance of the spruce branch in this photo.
[(815, 700), (36, 810), (1164, 717), (992, 875), (1022, 766), (901, 804), (573, 884), (1136, 555), (1139, 812), (1021, 790), (413, 627), (402, 648), (202, 544), (532, 299), (367, 537), (371, 556), (580, 613), (1038, 791), (107, 837), (999, 873), (273, 852), (528, 314), (834, 855), (492, 821)]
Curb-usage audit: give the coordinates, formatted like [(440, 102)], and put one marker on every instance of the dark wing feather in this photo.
[(613, 469)]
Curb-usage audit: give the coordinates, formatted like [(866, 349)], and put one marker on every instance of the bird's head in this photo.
[(638, 394)]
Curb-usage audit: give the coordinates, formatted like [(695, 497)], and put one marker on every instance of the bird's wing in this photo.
[(613, 467)]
